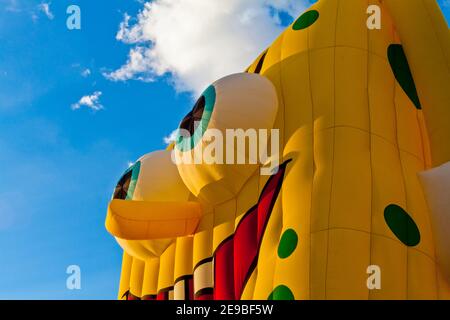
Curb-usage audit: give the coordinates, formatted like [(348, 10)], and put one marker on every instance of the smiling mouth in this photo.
[(236, 257)]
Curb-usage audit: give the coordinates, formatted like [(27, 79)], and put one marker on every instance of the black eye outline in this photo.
[(127, 184)]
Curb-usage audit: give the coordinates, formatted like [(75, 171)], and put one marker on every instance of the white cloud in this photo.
[(45, 8), (138, 67), (12, 6), (198, 41), (86, 73), (171, 137), (90, 101)]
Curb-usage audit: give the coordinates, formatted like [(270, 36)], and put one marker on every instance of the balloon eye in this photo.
[(196, 122), (126, 185)]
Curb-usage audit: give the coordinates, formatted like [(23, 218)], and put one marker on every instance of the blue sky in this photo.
[(60, 165)]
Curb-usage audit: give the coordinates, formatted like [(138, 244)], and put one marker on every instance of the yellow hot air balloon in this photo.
[(358, 206)]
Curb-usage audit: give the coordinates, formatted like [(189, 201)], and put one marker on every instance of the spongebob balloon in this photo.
[(362, 120)]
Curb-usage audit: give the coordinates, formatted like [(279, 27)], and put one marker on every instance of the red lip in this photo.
[(236, 257)]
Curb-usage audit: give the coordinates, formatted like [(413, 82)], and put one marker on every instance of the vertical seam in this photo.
[(370, 150), (284, 138), (334, 142), (423, 149), (401, 164), (312, 154), (422, 140), (421, 125)]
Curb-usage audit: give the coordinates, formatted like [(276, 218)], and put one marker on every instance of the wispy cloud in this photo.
[(45, 8), (196, 42), (171, 137), (86, 72), (12, 6), (137, 67), (90, 101)]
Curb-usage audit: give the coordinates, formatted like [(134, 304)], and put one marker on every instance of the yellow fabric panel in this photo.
[(247, 198), (351, 30), (125, 275), (296, 93), (416, 204), (348, 259), (383, 116), (137, 277), (297, 185), (224, 216), (183, 257), (421, 276), (203, 239), (156, 247), (408, 129), (150, 282), (249, 289), (351, 186), (443, 286), (318, 269), (440, 26), (387, 188), (321, 192), (322, 80), (273, 55), (268, 255), (380, 39), (351, 88), (294, 42), (296, 201), (144, 250), (322, 33), (166, 268), (425, 140), (421, 28), (391, 256), (294, 271), (274, 75)]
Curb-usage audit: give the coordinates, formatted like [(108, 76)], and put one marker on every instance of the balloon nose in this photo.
[(141, 220)]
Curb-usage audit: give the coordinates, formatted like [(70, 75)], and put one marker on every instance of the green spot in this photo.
[(402, 72), (305, 20), (288, 243), (281, 293), (402, 225)]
